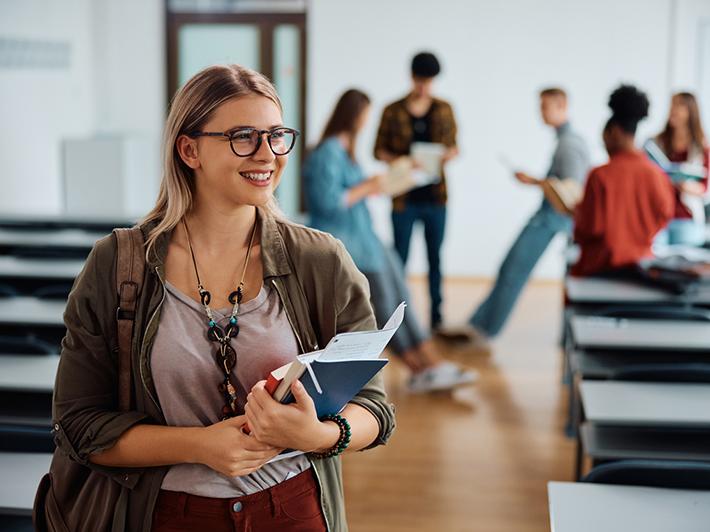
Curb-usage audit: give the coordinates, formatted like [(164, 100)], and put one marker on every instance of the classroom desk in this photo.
[(57, 239), (28, 373), (21, 473), (46, 269), (596, 290), (603, 332), (31, 311), (603, 443), (646, 404), (584, 507)]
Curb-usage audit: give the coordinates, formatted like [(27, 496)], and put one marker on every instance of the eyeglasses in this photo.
[(245, 142)]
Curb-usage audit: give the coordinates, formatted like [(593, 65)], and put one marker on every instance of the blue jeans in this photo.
[(513, 274), (388, 289), (433, 217)]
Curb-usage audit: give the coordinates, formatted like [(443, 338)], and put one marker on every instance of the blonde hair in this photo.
[(192, 106)]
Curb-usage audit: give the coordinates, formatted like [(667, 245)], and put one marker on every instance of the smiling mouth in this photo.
[(257, 176)]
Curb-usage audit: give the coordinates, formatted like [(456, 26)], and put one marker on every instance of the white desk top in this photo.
[(21, 473), (28, 373), (31, 311), (55, 269), (595, 331), (646, 404), (598, 290), (583, 507), (50, 238)]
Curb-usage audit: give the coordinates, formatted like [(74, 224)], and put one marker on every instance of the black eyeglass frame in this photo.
[(259, 139)]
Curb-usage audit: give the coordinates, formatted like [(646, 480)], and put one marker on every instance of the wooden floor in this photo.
[(478, 459)]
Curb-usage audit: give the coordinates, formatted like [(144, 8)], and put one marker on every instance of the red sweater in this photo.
[(626, 202)]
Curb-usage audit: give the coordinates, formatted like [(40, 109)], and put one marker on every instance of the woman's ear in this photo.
[(187, 149)]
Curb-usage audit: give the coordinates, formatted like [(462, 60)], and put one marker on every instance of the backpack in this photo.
[(72, 496)]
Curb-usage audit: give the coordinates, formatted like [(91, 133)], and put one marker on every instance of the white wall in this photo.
[(114, 85), (496, 56), (40, 105)]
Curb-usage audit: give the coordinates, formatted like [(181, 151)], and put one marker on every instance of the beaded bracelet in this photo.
[(342, 442)]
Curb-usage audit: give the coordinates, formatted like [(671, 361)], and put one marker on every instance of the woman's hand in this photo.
[(293, 426), (527, 179), (692, 187), (226, 449), (375, 184)]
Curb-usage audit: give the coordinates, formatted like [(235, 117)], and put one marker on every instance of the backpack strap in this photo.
[(130, 267)]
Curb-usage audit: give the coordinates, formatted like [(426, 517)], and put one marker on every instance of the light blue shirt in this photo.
[(328, 174)]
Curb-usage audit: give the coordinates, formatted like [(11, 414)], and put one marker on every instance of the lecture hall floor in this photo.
[(478, 459)]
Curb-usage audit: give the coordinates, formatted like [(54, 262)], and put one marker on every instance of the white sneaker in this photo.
[(443, 376)]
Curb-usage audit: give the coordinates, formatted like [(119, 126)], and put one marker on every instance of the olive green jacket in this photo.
[(322, 292)]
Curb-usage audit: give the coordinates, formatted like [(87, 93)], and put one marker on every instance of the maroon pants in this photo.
[(292, 506)]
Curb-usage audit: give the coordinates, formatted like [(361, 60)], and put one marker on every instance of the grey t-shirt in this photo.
[(186, 378)]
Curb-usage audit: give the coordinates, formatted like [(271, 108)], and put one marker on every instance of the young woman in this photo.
[(683, 141), (626, 201), (218, 253), (336, 189)]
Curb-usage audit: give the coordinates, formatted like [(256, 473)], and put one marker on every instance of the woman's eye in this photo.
[(278, 134), (242, 136)]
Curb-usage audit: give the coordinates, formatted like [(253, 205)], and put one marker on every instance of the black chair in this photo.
[(7, 290), (16, 523), (53, 291), (681, 372), (26, 345), (653, 473), (656, 312)]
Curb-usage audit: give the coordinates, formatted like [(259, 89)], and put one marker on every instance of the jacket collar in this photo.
[(273, 248)]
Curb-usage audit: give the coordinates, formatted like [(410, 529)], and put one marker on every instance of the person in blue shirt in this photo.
[(336, 189)]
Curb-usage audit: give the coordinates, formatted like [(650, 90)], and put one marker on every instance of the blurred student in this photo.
[(569, 160), (336, 189), (683, 141), (420, 117), (626, 201)]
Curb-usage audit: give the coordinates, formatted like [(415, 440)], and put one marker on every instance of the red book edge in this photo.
[(271, 384)]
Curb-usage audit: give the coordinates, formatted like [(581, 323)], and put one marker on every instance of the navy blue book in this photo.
[(337, 373), (336, 382)]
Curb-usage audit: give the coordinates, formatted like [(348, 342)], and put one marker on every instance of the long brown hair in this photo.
[(345, 117), (696, 129), (192, 106)]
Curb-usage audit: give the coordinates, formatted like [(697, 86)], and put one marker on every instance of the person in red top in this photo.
[(683, 141), (626, 201)]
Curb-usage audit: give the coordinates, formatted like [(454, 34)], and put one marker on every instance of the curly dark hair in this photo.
[(628, 107)]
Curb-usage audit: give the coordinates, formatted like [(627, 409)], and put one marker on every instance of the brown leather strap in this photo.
[(130, 267)]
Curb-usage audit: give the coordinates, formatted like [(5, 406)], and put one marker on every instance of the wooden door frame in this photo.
[(267, 23)]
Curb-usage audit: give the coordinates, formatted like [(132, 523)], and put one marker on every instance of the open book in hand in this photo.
[(676, 171), (402, 175), (335, 374), (563, 194)]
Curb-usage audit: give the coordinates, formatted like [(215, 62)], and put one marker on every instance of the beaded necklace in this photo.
[(225, 356)]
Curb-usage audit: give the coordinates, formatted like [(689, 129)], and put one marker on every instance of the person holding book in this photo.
[(336, 189), (231, 291), (570, 162), (626, 201), (683, 142), (419, 117)]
